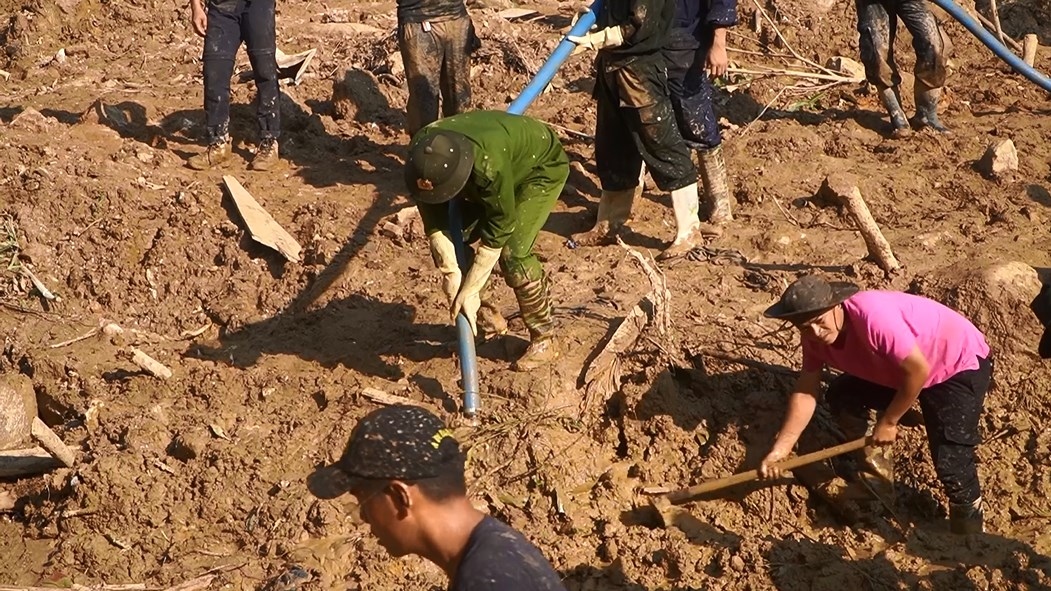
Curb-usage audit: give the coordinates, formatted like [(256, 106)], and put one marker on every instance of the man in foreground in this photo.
[(407, 473)]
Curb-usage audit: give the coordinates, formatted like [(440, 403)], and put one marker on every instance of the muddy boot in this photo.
[(535, 305), (891, 101), (717, 208), (218, 152), (266, 156), (927, 108), (967, 519), (491, 322), (687, 226), (614, 209)]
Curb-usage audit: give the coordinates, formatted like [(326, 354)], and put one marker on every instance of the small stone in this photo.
[(1000, 158)]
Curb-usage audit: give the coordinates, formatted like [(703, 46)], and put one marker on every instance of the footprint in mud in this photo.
[(290, 580)]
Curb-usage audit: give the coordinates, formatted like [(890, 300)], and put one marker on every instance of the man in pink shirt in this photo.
[(893, 348)]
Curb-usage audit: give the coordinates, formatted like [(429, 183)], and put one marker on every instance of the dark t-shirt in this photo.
[(499, 558), (417, 11)]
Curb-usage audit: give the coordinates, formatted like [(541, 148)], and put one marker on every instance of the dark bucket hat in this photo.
[(439, 164), (809, 296)]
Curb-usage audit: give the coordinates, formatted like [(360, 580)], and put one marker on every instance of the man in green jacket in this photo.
[(509, 170)]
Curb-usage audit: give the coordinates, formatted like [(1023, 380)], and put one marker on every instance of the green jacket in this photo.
[(510, 152)]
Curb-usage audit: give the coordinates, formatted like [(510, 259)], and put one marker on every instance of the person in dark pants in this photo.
[(406, 471), (636, 121), (436, 39), (893, 348), (696, 52), (225, 24), (877, 27)]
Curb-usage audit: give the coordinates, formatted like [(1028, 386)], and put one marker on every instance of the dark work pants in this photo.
[(691, 98), (436, 56), (636, 124), (231, 22), (877, 28), (950, 412)]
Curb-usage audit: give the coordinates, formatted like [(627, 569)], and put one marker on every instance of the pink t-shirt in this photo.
[(882, 327)]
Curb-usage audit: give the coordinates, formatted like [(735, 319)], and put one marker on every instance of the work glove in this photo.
[(608, 37), (444, 255), (469, 298)]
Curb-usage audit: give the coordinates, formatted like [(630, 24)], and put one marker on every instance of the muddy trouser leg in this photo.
[(522, 270), (616, 157), (221, 41), (421, 53), (877, 29), (951, 411), (455, 80), (258, 31), (930, 60), (851, 400), (646, 106)]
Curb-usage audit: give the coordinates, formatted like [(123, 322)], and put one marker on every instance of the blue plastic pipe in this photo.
[(994, 44), (468, 355)]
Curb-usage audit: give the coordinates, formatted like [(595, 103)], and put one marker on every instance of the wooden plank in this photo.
[(261, 225), (26, 462)]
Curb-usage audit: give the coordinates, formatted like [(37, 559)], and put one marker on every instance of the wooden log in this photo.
[(26, 462), (47, 439), (842, 188), (1029, 45)]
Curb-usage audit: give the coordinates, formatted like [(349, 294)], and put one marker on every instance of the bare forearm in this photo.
[(800, 410), (915, 371)]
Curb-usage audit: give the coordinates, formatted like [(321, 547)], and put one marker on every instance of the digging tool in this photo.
[(663, 503)]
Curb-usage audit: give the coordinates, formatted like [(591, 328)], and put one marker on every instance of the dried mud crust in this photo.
[(206, 469)]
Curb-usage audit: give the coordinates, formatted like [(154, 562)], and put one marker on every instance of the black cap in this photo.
[(808, 296), (439, 164), (1041, 306), (392, 443)]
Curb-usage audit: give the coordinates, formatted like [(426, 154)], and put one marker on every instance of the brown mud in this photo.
[(207, 469)]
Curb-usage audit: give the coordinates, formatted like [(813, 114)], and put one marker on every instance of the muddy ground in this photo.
[(270, 359)]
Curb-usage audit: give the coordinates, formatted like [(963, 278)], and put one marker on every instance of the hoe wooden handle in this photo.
[(686, 495)]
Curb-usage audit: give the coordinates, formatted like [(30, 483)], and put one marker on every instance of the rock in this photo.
[(846, 67), (31, 120), (356, 96), (186, 446), (1000, 159)]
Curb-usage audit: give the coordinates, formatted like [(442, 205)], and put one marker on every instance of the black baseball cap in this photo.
[(392, 443)]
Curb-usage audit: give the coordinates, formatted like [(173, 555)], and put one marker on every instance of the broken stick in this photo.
[(845, 191), (1029, 45), (47, 439), (151, 365)]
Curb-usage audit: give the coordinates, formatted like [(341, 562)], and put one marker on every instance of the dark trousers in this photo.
[(636, 124), (691, 97), (950, 412), (436, 55), (878, 26), (231, 22)]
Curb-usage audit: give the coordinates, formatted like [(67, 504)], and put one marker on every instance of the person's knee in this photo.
[(520, 270)]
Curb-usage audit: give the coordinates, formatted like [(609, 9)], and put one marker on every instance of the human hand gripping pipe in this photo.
[(992, 43), (468, 356)]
